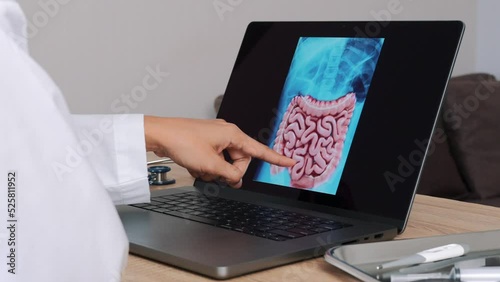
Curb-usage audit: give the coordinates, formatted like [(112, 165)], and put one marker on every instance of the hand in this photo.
[(197, 145)]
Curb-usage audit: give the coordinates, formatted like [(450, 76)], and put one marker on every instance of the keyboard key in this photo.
[(263, 228), (162, 210), (278, 238), (204, 215), (184, 200), (302, 231), (225, 226), (286, 233), (271, 224), (192, 217), (320, 230), (167, 197), (185, 210), (249, 231), (238, 228), (263, 234), (162, 200), (331, 226)]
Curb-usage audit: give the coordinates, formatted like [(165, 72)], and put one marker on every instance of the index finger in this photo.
[(258, 150)]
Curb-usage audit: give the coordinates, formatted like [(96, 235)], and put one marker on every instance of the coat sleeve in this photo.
[(115, 146)]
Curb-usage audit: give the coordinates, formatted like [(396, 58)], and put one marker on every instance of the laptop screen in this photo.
[(353, 102)]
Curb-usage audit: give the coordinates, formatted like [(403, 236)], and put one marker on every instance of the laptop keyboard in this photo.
[(261, 221)]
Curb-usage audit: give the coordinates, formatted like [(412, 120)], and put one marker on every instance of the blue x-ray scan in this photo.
[(320, 107)]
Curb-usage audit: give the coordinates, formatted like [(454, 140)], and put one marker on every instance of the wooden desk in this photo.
[(430, 216)]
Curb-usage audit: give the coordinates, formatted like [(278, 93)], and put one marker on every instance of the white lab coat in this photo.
[(68, 172)]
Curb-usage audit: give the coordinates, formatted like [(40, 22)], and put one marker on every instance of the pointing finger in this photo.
[(255, 149)]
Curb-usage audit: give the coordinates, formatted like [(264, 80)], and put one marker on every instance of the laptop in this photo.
[(355, 103)]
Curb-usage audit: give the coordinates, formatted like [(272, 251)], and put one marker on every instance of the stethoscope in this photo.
[(157, 175)]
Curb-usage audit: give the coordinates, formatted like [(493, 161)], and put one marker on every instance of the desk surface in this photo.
[(430, 216)]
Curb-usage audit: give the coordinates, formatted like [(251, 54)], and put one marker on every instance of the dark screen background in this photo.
[(401, 106)]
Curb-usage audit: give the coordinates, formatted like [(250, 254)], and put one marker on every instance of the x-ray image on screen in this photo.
[(319, 109)]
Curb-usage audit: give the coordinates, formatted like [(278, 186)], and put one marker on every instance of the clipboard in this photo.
[(361, 260)]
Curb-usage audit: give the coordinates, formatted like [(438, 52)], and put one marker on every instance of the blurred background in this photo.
[(100, 51)]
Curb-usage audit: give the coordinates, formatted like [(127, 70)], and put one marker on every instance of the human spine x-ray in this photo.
[(320, 107)]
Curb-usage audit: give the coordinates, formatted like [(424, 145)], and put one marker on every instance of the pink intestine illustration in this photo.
[(313, 133)]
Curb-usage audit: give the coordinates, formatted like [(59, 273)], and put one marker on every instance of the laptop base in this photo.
[(220, 253)]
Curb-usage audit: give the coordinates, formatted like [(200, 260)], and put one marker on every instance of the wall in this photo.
[(100, 51), (488, 37)]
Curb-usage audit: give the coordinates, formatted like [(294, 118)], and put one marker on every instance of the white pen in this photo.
[(480, 274), (430, 255), (487, 273)]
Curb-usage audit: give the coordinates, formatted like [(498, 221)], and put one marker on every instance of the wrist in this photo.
[(150, 123)]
